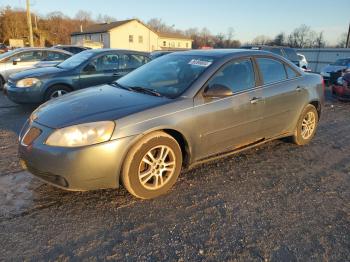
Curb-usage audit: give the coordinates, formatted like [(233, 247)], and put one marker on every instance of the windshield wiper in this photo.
[(136, 89), (145, 90), (120, 86)]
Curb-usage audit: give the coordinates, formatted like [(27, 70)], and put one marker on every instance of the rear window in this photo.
[(272, 70), (291, 54), (276, 51)]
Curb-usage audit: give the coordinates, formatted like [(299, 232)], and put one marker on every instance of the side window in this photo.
[(132, 61), (106, 62), (56, 56), (271, 70), (238, 76), (30, 56), (290, 72)]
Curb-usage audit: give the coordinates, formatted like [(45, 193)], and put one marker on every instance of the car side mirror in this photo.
[(90, 68), (16, 60), (218, 90)]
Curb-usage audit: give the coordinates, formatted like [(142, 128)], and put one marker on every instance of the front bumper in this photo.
[(78, 169), (23, 95)]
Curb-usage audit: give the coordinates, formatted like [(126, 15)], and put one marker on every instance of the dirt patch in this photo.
[(9, 161)]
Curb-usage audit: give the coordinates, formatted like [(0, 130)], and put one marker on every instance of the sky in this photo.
[(248, 18)]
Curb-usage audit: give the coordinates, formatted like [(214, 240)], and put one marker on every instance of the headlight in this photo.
[(27, 82), (82, 135)]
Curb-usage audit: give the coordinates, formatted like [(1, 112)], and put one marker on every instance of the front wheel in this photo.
[(307, 125), (56, 91), (152, 166)]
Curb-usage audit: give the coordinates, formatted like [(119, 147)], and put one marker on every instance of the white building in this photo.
[(130, 34)]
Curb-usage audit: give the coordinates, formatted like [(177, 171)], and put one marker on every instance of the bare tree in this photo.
[(342, 41), (261, 40), (159, 26), (279, 39)]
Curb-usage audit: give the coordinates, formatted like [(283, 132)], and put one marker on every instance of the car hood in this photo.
[(93, 104), (333, 68), (36, 72)]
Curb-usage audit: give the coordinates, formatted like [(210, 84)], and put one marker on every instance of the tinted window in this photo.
[(56, 56), (128, 61), (29, 56), (169, 75), (106, 62), (238, 76), (271, 70), (291, 54), (290, 72)]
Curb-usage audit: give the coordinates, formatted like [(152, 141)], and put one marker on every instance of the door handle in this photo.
[(255, 100), (298, 89), (117, 74)]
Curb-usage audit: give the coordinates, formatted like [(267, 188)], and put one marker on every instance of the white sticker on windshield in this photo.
[(198, 62)]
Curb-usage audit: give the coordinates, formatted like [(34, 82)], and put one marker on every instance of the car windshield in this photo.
[(168, 75), (342, 62), (75, 60)]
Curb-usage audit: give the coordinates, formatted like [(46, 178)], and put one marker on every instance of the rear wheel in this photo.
[(307, 125), (152, 166), (56, 91)]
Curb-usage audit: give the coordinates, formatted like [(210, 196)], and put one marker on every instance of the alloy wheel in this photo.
[(157, 167), (308, 125)]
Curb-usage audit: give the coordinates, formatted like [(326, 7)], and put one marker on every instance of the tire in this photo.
[(138, 163), (57, 89), (306, 126), (2, 82)]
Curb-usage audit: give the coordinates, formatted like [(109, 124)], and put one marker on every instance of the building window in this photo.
[(178, 44), (87, 37), (164, 43), (131, 39), (186, 45), (140, 39), (101, 38), (173, 44)]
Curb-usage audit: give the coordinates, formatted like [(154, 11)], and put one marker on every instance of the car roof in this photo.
[(106, 50), (219, 53), (39, 49)]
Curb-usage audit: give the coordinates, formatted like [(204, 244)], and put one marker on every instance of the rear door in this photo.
[(283, 93), (224, 124)]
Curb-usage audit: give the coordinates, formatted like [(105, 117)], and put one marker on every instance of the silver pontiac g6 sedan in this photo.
[(172, 113)]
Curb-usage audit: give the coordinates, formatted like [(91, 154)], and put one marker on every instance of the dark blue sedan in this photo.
[(86, 69)]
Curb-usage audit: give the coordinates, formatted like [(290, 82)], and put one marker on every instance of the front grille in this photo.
[(29, 137)]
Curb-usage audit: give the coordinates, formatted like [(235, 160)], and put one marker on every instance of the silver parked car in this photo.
[(172, 113), (25, 58)]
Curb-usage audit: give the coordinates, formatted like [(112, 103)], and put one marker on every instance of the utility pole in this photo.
[(347, 45), (29, 20)]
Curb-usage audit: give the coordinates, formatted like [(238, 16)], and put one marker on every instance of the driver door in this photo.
[(231, 122), (103, 69)]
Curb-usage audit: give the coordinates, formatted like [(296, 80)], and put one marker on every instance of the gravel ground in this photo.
[(277, 202)]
